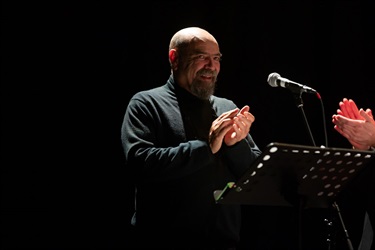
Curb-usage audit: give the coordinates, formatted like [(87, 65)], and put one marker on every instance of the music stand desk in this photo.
[(286, 173)]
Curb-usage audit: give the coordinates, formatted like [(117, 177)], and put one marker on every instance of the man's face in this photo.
[(199, 68)]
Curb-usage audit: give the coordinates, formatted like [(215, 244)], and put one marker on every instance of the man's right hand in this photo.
[(219, 128)]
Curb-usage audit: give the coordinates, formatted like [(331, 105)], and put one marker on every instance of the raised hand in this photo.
[(230, 127), (357, 125), (241, 126), (219, 128)]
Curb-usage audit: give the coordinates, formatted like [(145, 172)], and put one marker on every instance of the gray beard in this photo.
[(202, 91)]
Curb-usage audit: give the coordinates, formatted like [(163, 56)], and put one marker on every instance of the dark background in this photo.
[(68, 71)]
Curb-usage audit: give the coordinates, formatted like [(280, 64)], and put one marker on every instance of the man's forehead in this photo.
[(205, 48)]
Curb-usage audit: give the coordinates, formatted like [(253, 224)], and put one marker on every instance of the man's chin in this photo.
[(204, 94)]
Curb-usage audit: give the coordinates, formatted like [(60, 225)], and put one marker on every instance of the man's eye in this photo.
[(203, 57)]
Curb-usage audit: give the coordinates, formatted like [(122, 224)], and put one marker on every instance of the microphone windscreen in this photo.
[(272, 79)]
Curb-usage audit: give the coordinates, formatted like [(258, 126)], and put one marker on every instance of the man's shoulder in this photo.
[(147, 93), (160, 94), (222, 101)]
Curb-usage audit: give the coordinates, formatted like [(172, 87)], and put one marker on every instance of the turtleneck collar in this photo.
[(183, 93)]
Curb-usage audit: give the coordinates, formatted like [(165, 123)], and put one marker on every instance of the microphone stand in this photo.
[(299, 104)]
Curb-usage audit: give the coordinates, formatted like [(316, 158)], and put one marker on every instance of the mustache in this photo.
[(207, 72)]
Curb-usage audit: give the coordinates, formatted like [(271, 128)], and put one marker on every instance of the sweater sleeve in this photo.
[(241, 155), (152, 141)]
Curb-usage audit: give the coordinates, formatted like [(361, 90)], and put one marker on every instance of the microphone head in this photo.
[(272, 79)]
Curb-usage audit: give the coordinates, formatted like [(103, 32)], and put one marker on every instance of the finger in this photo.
[(241, 128), (353, 110), (245, 108), (243, 122), (229, 114), (369, 113), (349, 108), (346, 108), (223, 130), (338, 129), (343, 108), (366, 116), (250, 117), (218, 125)]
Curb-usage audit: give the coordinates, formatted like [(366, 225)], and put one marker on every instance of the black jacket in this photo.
[(164, 136)]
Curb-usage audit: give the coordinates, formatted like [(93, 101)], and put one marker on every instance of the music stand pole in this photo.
[(343, 226)]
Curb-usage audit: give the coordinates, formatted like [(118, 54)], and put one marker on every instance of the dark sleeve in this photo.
[(153, 146), (241, 155)]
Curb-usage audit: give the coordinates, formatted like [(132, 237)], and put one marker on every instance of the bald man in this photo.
[(182, 143)]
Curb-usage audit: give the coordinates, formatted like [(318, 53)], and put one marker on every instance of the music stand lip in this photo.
[(286, 173)]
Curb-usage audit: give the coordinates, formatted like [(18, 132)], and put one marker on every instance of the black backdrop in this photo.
[(69, 69)]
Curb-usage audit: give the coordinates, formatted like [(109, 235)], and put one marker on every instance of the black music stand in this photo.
[(296, 175), (286, 173)]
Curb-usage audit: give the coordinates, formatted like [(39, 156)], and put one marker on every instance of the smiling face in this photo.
[(195, 61)]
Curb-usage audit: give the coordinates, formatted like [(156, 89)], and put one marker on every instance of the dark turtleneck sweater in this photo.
[(164, 135)]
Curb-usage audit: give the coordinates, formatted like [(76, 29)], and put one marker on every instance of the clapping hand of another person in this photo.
[(356, 125)]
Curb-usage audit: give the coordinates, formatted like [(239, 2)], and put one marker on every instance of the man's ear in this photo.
[(172, 56)]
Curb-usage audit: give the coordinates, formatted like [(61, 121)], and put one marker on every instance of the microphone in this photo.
[(275, 80)]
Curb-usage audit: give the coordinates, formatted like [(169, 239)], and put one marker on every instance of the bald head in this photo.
[(184, 37), (194, 56)]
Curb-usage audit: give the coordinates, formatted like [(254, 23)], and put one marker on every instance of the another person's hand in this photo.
[(349, 109), (357, 125)]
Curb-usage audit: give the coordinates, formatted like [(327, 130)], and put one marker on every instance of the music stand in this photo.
[(286, 173), (296, 175)]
